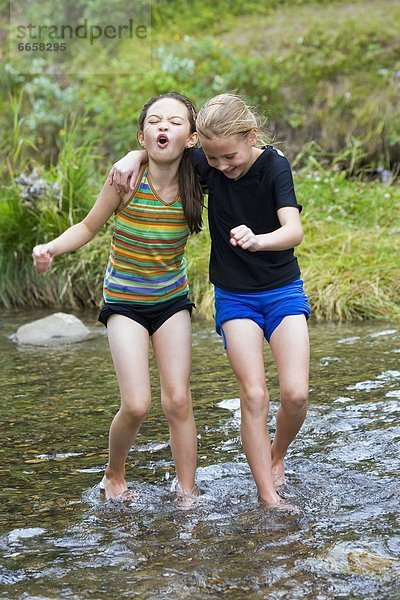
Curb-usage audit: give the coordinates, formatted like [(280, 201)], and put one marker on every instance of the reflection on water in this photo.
[(59, 539)]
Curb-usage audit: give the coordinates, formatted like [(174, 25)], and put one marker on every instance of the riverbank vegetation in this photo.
[(327, 74)]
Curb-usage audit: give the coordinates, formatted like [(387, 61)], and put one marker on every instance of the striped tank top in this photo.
[(146, 262)]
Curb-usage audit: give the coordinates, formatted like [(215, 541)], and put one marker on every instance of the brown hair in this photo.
[(190, 189), (228, 115)]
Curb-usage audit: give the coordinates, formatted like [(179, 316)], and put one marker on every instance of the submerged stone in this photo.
[(24, 533), (56, 329)]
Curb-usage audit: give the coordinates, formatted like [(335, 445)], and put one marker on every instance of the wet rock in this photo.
[(20, 534), (56, 329), (345, 559)]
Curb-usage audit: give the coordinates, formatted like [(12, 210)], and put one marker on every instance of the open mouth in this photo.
[(162, 140)]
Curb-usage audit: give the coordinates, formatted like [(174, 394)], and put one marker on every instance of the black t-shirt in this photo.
[(252, 200)]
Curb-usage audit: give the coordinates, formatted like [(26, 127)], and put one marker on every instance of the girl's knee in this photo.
[(254, 400), (294, 399), (177, 405), (135, 410)]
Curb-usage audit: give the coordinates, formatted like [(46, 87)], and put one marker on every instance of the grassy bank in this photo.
[(349, 257), (326, 73)]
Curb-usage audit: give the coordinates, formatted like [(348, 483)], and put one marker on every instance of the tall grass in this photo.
[(198, 253), (68, 191), (349, 257), (17, 140), (328, 77), (351, 274), (73, 172)]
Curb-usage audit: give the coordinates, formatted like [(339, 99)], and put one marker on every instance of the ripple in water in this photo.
[(342, 473)]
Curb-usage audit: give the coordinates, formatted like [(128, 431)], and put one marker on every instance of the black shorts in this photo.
[(152, 316)]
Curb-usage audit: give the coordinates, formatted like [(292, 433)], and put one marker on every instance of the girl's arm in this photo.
[(290, 233), (125, 171), (80, 234)]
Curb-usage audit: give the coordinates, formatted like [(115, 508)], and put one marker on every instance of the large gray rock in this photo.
[(59, 328)]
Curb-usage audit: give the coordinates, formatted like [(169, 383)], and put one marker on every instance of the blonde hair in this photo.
[(228, 115)]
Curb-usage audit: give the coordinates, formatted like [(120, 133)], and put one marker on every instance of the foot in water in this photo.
[(113, 490), (185, 498), (281, 505), (278, 473)]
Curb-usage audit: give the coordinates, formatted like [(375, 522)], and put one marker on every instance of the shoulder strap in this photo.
[(139, 180)]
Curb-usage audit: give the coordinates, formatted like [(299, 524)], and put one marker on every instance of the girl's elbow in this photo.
[(89, 229), (299, 237)]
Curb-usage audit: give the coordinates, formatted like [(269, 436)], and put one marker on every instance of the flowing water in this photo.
[(59, 539)]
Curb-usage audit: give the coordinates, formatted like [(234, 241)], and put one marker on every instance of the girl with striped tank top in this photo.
[(146, 288)]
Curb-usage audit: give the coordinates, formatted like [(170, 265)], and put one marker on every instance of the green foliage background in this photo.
[(326, 73)]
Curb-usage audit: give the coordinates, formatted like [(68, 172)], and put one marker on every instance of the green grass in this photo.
[(349, 256), (326, 73), (323, 71)]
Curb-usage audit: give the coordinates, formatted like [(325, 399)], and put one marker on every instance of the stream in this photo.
[(60, 539)]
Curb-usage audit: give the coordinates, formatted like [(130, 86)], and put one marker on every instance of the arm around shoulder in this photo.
[(125, 171)]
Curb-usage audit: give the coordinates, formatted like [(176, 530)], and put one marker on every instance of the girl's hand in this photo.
[(125, 171), (43, 256), (243, 237)]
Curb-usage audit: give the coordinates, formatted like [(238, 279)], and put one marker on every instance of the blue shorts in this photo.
[(267, 309)]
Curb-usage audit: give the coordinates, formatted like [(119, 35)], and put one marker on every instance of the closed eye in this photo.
[(227, 156)]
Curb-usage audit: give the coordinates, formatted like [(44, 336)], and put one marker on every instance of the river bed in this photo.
[(60, 539)]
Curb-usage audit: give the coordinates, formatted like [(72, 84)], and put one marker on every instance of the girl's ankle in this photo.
[(113, 476)]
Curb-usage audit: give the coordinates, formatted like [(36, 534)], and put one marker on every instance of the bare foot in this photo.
[(113, 489), (185, 497), (186, 502), (270, 499), (281, 505), (278, 473), (127, 496)]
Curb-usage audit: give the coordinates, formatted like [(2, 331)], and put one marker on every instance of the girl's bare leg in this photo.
[(129, 345), (172, 345), (290, 347), (245, 340)]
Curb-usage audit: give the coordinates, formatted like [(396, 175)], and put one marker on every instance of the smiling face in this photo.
[(166, 130), (232, 155)]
